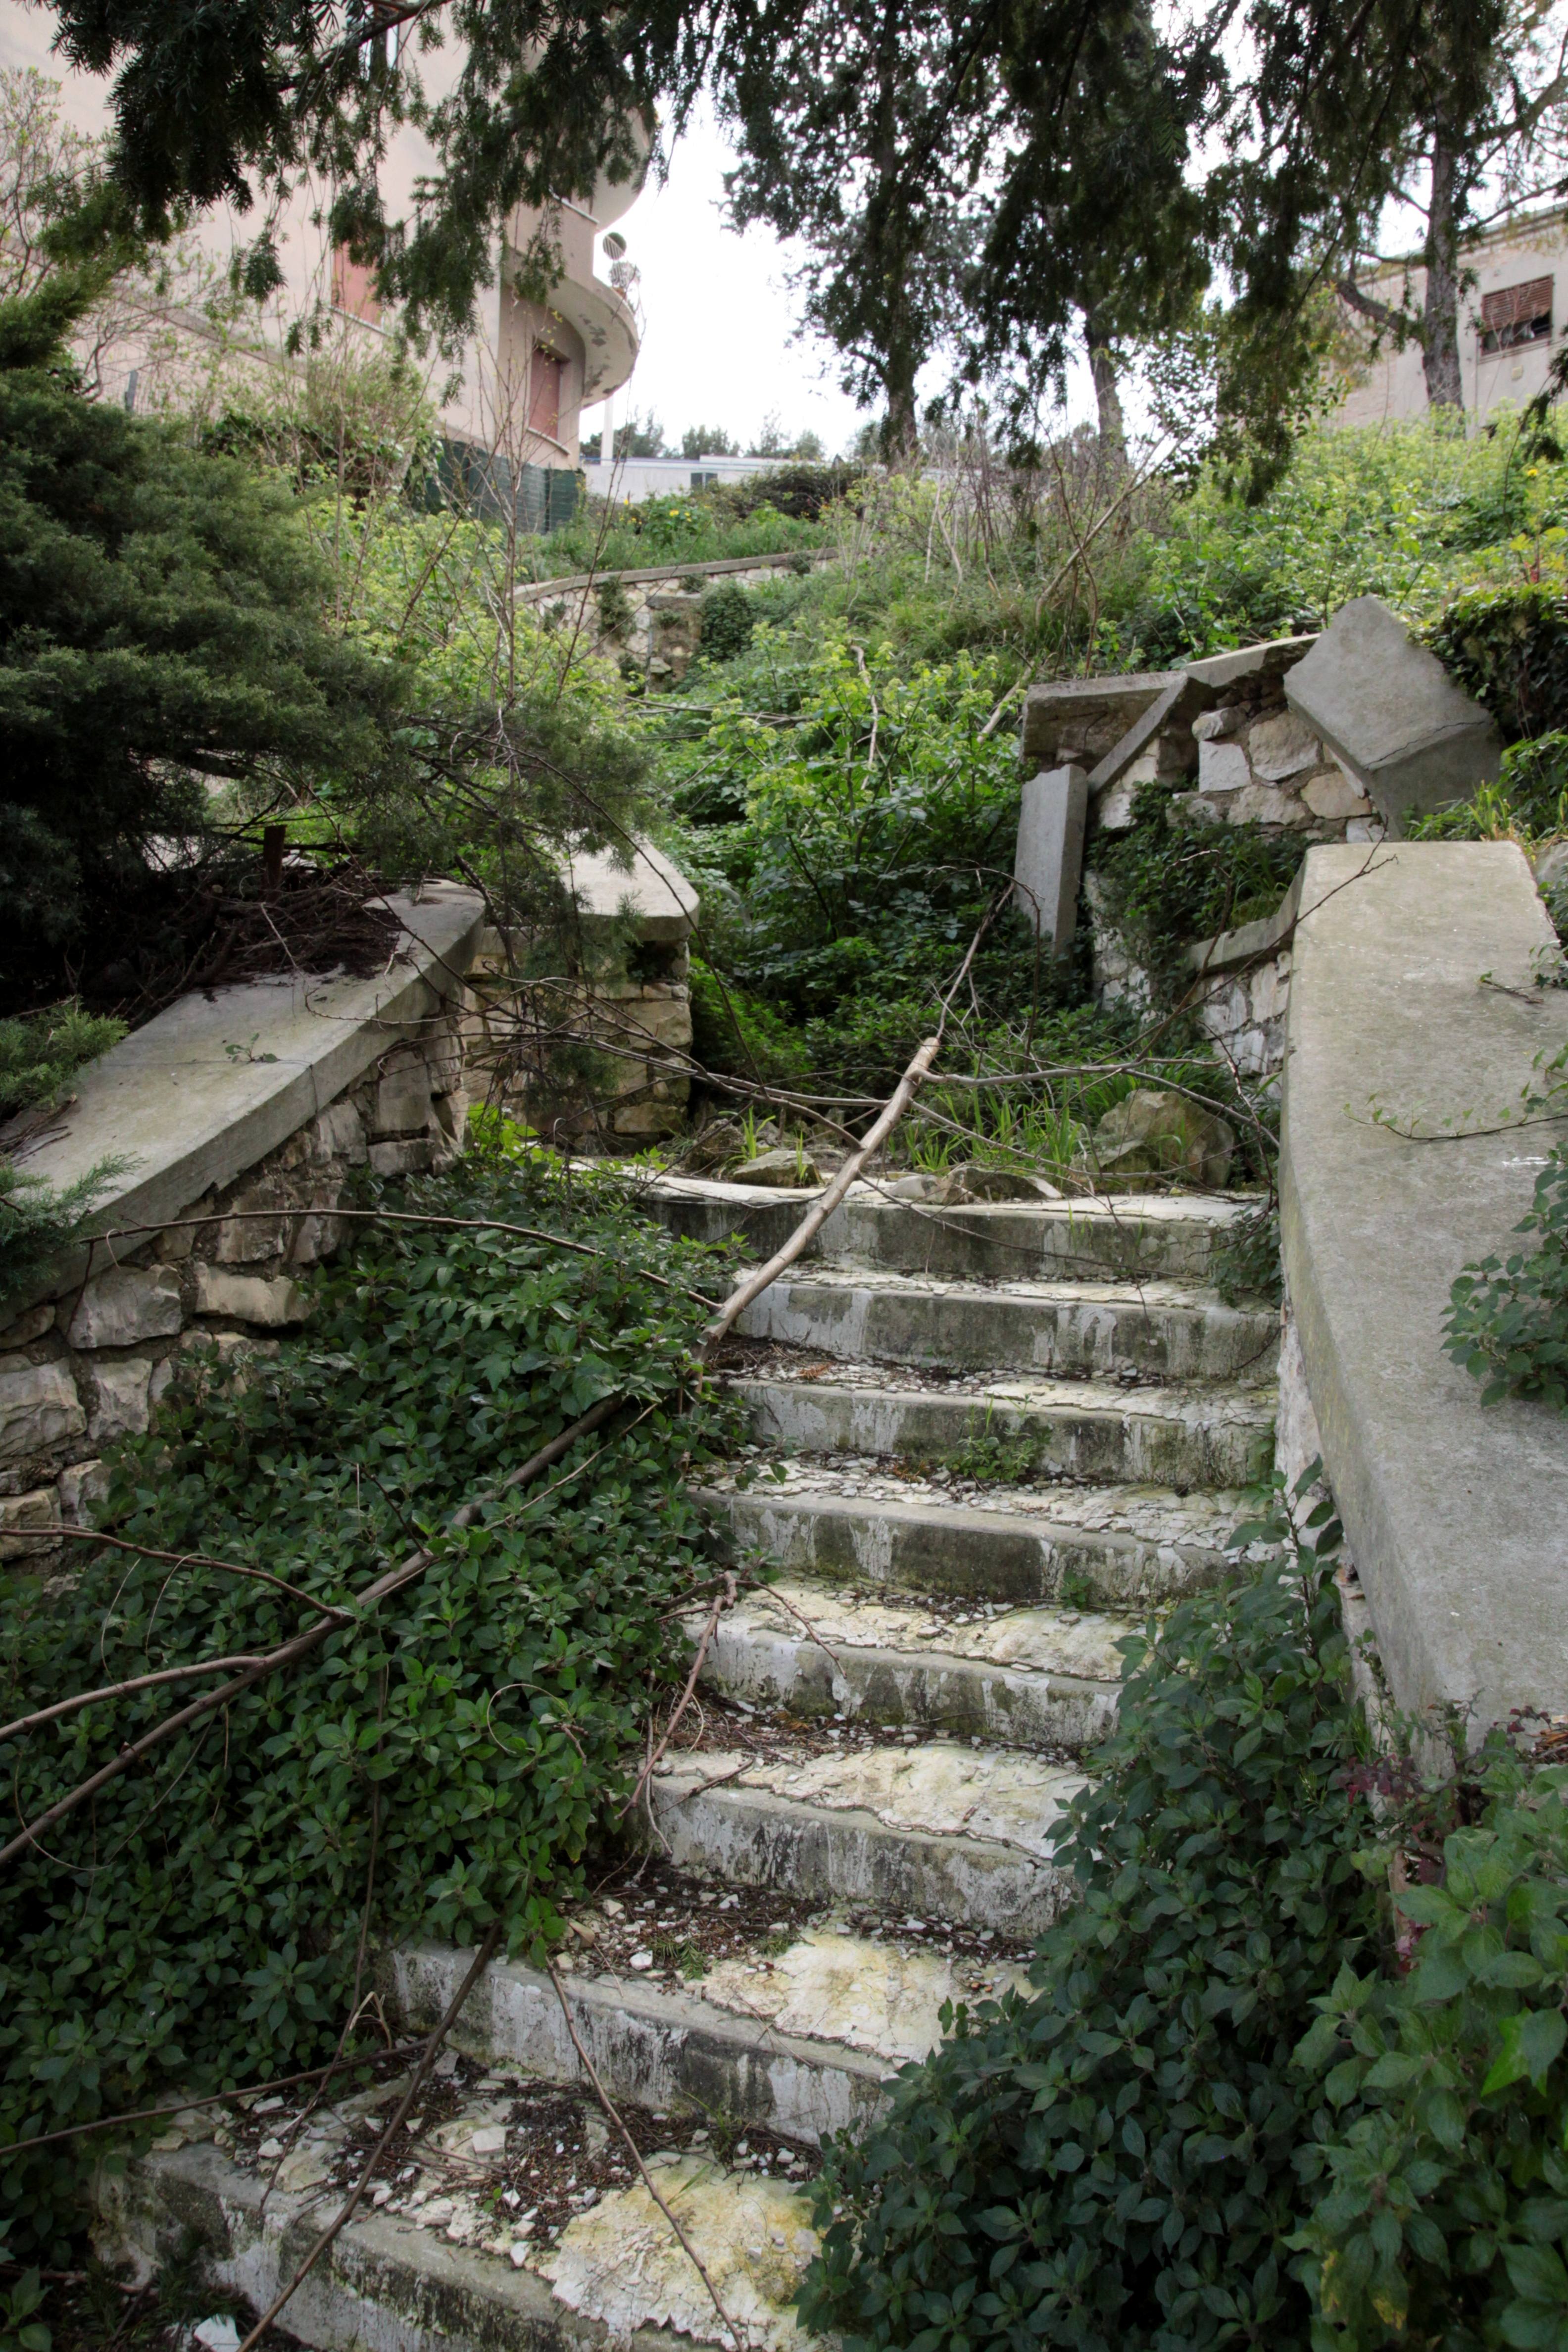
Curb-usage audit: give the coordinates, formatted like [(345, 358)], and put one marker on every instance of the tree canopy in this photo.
[(967, 176)]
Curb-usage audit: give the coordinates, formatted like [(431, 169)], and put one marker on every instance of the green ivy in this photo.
[(197, 1925), (1443, 2218), (1508, 1317), (1110, 2160), (1174, 876), (1510, 648)]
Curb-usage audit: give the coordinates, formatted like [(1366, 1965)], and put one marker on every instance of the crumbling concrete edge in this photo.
[(382, 2286)]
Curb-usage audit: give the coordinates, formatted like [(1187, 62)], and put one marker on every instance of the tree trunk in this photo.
[(1440, 308), (1108, 400)]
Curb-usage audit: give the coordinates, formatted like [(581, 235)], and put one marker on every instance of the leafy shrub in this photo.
[(1442, 2211), (1528, 800), (1109, 2161), (738, 1034), (1510, 649), (615, 608), (1508, 1317), (40, 1053), (37, 1221), (198, 1925), (1174, 876), (728, 620)]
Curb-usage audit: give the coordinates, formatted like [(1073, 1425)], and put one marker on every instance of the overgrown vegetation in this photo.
[(1508, 1316), (1111, 2159), (441, 1760), (40, 1053)]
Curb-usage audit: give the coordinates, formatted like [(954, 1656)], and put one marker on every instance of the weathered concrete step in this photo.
[(1079, 1429), (615, 2275), (937, 1829), (1023, 1677), (1101, 1548), (800, 2041), (1069, 1329), (1139, 1235)]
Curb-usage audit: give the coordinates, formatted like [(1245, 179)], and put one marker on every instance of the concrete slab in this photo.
[(1047, 864), (1068, 1328), (642, 884), (1389, 711), (938, 1830), (872, 1997), (1166, 1237), (1030, 1677), (1113, 1553), (1079, 1429), (210, 1086), (1079, 717), (1454, 1513)]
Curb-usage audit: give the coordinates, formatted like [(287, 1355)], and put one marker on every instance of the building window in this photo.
[(697, 480), (545, 392), (354, 288), (1517, 314)]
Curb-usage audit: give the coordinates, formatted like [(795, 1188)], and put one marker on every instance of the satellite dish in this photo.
[(615, 245)]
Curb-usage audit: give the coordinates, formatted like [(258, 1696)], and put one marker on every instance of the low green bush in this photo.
[(729, 618), (40, 1053), (197, 1925), (1174, 876), (1509, 647), (1443, 2217)]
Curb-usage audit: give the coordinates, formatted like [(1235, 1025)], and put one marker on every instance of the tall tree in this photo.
[(963, 172), (1487, 132)]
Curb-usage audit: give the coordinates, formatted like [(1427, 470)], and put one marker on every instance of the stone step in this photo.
[(800, 2039), (1077, 1429), (1073, 1329), (1158, 1237), (614, 2274), (1094, 1547), (1019, 1677), (935, 1830)]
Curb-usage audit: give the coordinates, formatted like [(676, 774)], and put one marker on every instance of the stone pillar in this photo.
[(1048, 864)]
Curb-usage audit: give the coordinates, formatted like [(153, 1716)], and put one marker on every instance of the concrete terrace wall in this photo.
[(261, 1098), (1454, 1513)]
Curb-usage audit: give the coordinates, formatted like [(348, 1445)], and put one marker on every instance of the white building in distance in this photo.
[(1512, 319)]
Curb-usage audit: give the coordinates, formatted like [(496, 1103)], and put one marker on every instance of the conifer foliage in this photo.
[(161, 631)]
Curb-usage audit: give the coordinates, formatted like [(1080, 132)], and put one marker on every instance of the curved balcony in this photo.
[(610, 328)]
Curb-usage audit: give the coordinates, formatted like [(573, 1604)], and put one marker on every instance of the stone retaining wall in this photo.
[(356, 1074), (660, 626)]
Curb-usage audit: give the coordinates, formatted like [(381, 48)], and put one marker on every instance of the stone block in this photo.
[(1388, 708), (28, 1327), (117, 1404), (1223, 768), (82, 1489), (22, 1518), (1082, 719), (40, 1408), (1272, 658), (316, 1237), (128, 1304), (652, 892), (250, 1297), (402, 1094), (410, 1156), (1282, 746), (1047, 866), (1333, 796), (338, 1133)]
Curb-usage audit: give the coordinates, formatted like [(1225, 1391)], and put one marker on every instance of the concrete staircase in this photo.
[(981, 1441)]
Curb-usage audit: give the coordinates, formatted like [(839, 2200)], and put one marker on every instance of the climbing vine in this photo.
[(439, 1761)]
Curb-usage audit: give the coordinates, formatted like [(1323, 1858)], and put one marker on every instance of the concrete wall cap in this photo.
[(1453, 1511), (214, 1083)]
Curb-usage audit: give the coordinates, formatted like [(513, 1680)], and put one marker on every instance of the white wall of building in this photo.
[(1393, 384)]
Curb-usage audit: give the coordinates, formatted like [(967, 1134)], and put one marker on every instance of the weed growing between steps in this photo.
[(444, 1759), (1114, 2160)]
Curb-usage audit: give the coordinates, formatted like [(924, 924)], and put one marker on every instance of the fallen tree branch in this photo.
[(345, 2212), (608, 2104), (193, 1559), (722, 1600), (827, 1200), (212, 2099), (300, 1644), (120, 1690)]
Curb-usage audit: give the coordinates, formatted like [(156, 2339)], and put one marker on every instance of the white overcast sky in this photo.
[(720, 345)]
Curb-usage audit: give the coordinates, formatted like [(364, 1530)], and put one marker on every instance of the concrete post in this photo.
[(1048, 862)]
